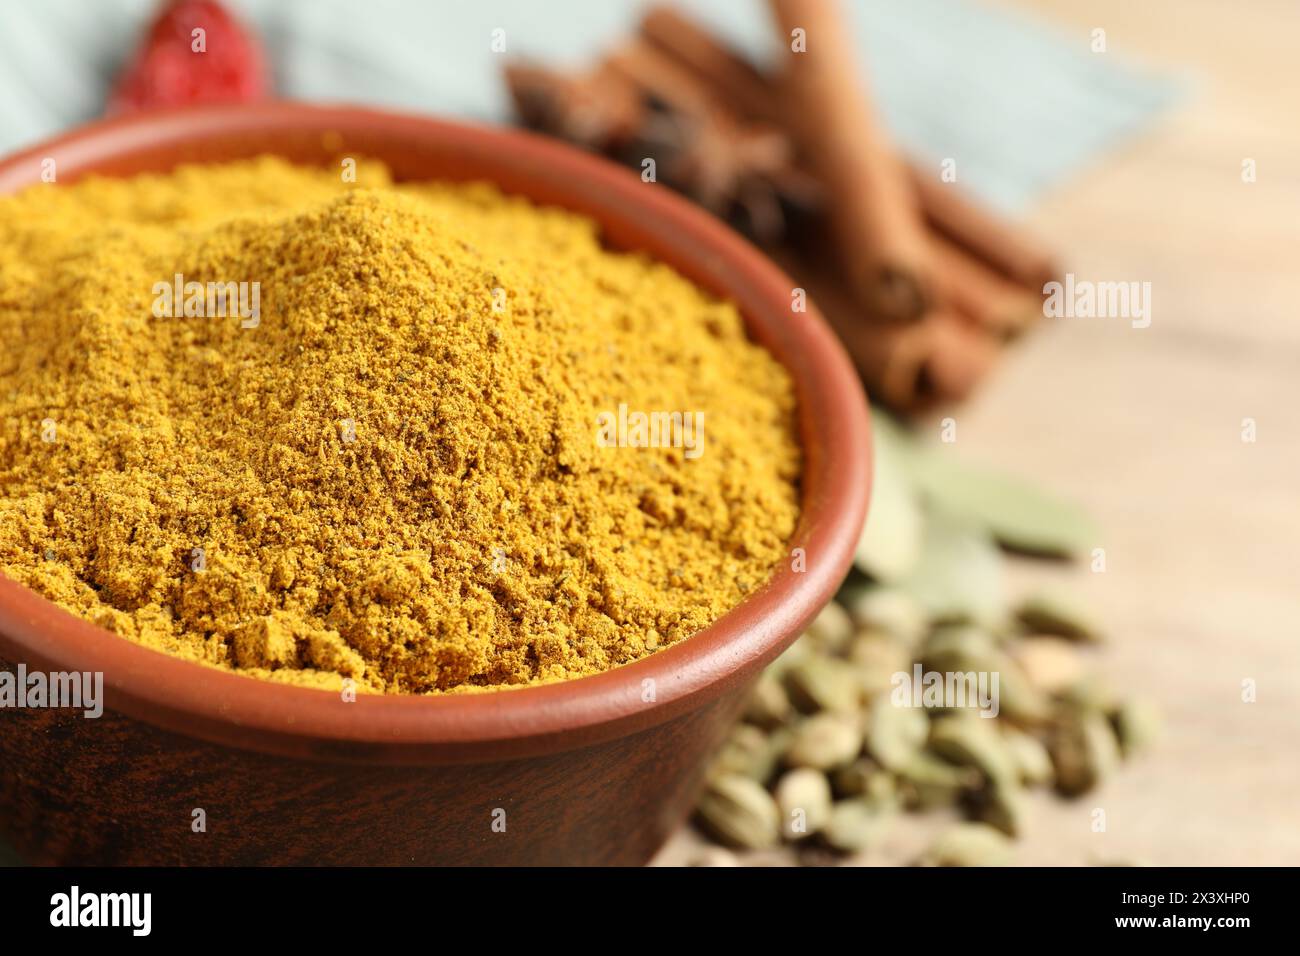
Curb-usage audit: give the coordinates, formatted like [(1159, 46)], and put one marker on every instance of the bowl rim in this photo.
[(265, 716)]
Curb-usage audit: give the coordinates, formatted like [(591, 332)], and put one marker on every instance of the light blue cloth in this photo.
[(1019, 105)]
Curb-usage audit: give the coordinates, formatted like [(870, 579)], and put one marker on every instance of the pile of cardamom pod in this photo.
[(837, 737)]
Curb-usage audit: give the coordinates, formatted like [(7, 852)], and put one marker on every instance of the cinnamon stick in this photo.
[(663, 78), (733, 79), (878, 229), (739, 169), (910, 367), (958, 358), (719, 124), (752, 94), (595, 109), (979, 293), (967, 223)]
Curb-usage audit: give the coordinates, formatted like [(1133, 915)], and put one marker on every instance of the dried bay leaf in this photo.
[(890, 546), (1015, 512), (959, 575)]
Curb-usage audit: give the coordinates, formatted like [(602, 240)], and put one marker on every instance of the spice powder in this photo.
[(386, 453)]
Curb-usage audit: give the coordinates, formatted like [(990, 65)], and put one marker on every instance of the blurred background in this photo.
[(1129, 161), (1021, 99)]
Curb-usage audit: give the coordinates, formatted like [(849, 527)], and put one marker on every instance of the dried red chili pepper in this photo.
[(177, 65)]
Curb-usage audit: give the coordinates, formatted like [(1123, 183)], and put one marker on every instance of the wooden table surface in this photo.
[(1202, 530)]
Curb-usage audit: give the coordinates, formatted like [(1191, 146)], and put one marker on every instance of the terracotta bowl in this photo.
[(592, 771)]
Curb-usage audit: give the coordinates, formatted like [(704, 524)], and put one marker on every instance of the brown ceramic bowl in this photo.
[(589, 771)]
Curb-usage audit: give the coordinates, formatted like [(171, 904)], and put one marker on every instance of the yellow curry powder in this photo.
[(394, 472)]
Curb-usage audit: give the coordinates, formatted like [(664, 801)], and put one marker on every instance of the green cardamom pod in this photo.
[(969, 844), (746, 752), (822, 683), (824, 742), (830, 629), (973, 741), (739, 812), (857, 824), (768, 705), (803, 796), (895, 733), (889, 610), (1084, 751), (1137, 725), (927, 781), (1003, 806), (1055, 612), (1030, 755)]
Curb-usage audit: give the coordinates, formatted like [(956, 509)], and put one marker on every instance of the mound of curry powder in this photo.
[(378, 455)]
